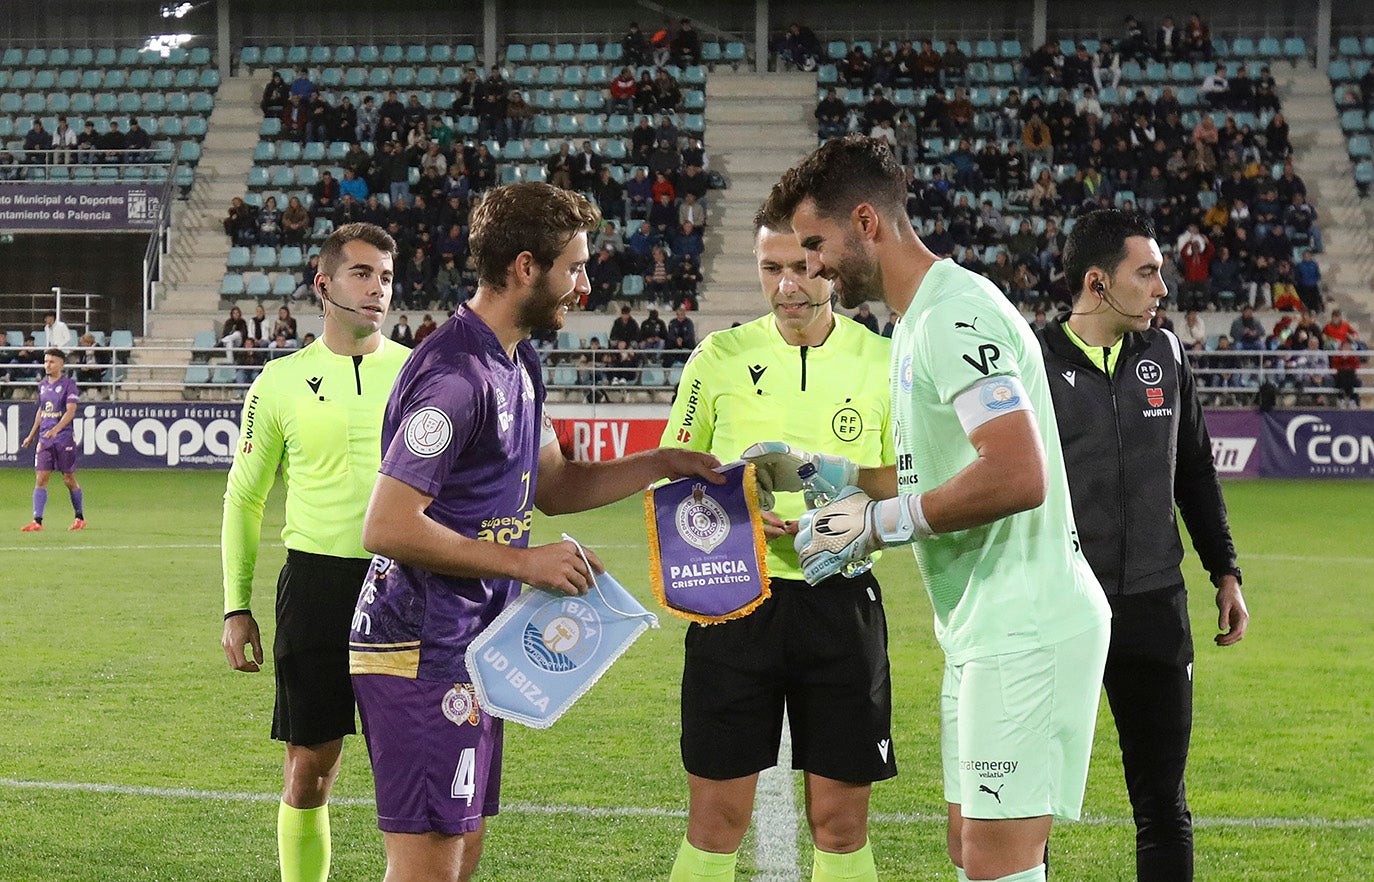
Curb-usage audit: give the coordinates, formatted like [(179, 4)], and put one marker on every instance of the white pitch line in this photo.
[(901, 818), (775, 818)]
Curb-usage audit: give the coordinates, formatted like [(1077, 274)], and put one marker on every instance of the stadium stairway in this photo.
[(1345, 220), (188, 296), (757, 126)]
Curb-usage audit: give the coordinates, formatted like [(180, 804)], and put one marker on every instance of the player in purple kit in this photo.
[(52, 429), (468, 454)]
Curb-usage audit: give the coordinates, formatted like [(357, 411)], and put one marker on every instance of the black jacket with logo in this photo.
[(1134, 445)]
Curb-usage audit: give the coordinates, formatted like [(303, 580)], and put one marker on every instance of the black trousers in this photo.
[(1149, 681)]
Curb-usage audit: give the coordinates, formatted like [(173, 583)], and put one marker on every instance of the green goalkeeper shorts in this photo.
[(1016, 730)]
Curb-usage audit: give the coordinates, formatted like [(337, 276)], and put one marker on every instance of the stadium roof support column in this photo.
[(224, 51), (1323, 34), (490, 55), (761, 36), (1039, 24)]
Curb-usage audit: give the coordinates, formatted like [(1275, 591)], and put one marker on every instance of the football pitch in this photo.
[(129, 750)]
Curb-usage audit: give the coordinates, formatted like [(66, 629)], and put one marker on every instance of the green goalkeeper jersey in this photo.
[(1020, 582), (318, 416), (747, 384)]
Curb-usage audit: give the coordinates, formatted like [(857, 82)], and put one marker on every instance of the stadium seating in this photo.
[(565, 82), (171, 97), (1349, 73)]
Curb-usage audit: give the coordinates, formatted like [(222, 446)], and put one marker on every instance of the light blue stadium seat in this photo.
[(536, 173), (185, 79), (231, 285), (307, 175), (540, 150), (574, 75), (1268, 47), (297, 56), (570, 101), (257, 285), (105, 56), (549, 75), (516, 53), (403, 77), (291, 257), (1338, 71), (155, 102), (289, 151), (588, 53), (378, 78), (565, 53), (541, 53), (1294, 48), (313, 151), (201, 102), (525, 76), (189, 151), (282, 176), (694, 100), (544, 99), (81, 57), (264, 256), (464, 53), (196, 375), (158, 79), (593, 123), (200, 56), (250, 56), (58, 102), (515, 150), (258, 177), (567, 125), (239, 257), (543, 124), (427, 77), (734, 52), (440, 53), (1359, 147), (208, 79), (1351, 121), (36, 57), (274, 56), (344, 55), (178, 102), (171, 127), (283, 285), (44, 80), (1241, 47)]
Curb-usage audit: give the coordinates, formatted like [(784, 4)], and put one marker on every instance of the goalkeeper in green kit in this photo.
[(979, 489)]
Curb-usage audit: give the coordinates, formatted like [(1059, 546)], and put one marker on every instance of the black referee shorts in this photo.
[(316, 595), (820, 652)]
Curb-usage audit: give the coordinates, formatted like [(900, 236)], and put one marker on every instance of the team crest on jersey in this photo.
[(905, 377), (428, 432), (1148, 372), (563, 635), (460, 705), (701, 521), (999, 395)]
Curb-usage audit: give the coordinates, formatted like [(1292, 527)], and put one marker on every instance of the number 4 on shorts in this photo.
[(465, 776)]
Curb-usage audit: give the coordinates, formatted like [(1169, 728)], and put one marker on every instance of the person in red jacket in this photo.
[(1196, 255)]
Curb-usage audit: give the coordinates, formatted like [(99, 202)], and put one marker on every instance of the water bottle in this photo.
[(817, 491)]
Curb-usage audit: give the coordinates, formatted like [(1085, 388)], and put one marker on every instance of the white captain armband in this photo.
[(989, 398)]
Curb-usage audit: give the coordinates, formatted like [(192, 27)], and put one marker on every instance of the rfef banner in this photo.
[(597, 440), (104, 208), (112, 435), (1318, 444)]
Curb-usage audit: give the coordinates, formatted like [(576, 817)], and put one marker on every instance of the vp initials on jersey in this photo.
[(988, 354)]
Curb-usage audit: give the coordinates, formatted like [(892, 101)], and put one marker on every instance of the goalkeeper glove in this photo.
[(776, 465), (851, 527)]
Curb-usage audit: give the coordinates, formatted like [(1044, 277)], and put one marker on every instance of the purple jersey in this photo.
[(53, 398), (462, 426)]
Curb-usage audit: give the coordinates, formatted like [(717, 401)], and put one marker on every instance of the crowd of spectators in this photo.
[(658, 212), (1001, 188), (65, 145)]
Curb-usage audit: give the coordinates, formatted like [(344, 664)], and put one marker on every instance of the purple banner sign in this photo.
[(111, 435), (1235, 442), (78, 207), (1318, 444)]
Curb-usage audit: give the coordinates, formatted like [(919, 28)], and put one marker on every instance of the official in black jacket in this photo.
[(1135, 445)]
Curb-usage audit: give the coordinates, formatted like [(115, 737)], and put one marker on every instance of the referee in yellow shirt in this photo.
[(820, 382), (317, 414)]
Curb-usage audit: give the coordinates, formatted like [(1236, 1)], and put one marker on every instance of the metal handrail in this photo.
[(1235, 384)]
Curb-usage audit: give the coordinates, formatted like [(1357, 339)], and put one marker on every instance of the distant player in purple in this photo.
[(52, 429), (467, 455)]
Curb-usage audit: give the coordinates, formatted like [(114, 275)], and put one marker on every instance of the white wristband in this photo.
[(900, 520)]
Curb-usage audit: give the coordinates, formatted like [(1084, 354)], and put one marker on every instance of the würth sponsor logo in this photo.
[(1155, 395)]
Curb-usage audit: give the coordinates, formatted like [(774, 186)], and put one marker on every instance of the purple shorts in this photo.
[(436, 756), (59, 457)]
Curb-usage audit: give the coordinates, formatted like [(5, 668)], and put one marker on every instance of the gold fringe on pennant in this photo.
[(751, 496)]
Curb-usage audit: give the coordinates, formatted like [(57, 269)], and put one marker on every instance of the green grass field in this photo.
[(129, 751)]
